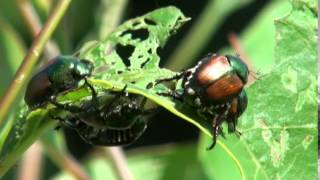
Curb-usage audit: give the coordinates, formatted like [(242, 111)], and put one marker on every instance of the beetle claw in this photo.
[(215, 134)]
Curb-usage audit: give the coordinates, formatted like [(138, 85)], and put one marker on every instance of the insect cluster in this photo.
[(214, 87), (117, 120)]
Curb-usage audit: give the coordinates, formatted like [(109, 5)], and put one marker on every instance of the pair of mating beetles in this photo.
[(214, 86), (115, 121)]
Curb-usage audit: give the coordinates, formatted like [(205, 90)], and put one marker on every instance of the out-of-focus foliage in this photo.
[(279, 128), (159, 162), (12, 50)]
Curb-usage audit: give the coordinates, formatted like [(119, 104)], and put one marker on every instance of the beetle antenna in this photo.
[(256, 75)]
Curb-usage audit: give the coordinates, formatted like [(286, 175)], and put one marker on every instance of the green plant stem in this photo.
[(65, 161), (9, 158), (31, 58), (111, 12), (34, 25), (197, 38)]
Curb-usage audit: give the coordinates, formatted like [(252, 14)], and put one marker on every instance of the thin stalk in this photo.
[(31, 58), (110, 13), (30, 167), (202, 30), (119, 162), (34, 25), (65, 161), (237, 46)]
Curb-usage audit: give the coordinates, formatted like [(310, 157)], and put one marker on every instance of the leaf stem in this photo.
[(234, 158), (34, 25), (31, 58)]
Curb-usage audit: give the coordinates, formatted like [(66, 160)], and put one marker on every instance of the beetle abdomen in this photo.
[(37, 90)]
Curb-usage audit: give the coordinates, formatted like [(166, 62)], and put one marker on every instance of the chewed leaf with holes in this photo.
[(129, 54), (279, 128)]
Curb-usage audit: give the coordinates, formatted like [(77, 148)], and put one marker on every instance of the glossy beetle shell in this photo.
[(111, 121), (217, 79), (60, 74)]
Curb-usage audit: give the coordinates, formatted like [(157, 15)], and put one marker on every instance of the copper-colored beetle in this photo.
[(215, 86)]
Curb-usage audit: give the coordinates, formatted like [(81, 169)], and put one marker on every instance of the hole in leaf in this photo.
[(150, 22), (119, 72), (135, 23), (150, 85), (144, 63), (141, 34), (125, 52)]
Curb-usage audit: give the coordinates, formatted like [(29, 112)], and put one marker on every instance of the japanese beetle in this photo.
[(118, 121), (215, 87), (60, 74), (106, 136)]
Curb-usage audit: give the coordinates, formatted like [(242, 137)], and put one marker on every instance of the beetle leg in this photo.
[(175, 77), (106, 107), (232, 127), (172, 94), (214, 138), (70, 122), (94, 98), (60, 119), (67, 106), (217, 120), (232, 119), (93, 91)]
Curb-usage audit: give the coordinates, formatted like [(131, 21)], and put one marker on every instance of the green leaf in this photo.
[(28, 127), (142, 67), (279, 128), (12, 50), (112, 73), (142, 36)]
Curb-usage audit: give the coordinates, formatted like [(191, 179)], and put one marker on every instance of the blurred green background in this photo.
[(169, 147)]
